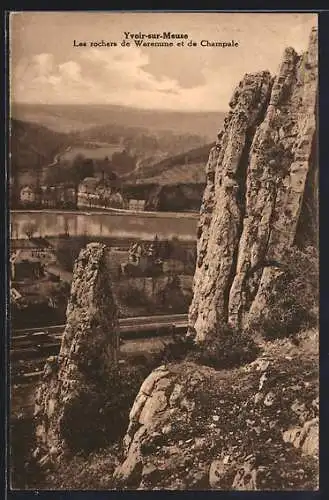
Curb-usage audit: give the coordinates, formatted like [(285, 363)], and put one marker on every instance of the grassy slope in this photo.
[(186, 167), (34, 145)]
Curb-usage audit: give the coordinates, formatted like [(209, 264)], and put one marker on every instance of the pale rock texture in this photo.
[(88, 355), (305, 437), (163, 401), (252, 428), (255, 427), (256, 177)]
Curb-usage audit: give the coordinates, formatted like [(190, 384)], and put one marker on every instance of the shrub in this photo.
[(132, 296), (100, 416), (176, 349), (68, 250), (225, 348), (291, 300)]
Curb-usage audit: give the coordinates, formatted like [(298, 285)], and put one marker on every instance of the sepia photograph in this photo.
[(163, 259)]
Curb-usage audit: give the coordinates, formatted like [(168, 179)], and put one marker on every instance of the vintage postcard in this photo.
[(163, 190)]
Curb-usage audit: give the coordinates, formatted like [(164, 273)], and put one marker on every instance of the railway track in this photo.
[(127, 325), (29, 348)]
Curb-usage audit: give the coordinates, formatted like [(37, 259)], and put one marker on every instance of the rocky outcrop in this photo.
[(88, 355), (256, 177), (163, 403), (252, 428)]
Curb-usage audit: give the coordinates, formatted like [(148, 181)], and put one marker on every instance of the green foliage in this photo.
[(123, 162), (293, 297), (33, 146), (176, 349), (84, 472), (99, 416), (68, 250), (60, 293), (225, 348), (70, 173), (132, 296), (81, 168), (172, 297)]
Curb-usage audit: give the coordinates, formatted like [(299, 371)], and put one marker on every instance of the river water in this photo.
[(117, 225)]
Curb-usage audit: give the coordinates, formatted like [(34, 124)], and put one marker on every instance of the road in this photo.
[(118, 211)]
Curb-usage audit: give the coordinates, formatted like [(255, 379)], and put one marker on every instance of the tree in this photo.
[(123, 162), (80, 168), (29, 229), (57, 174)]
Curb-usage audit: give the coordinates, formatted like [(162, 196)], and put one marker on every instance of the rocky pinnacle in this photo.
[(88, 354), (256, 177)]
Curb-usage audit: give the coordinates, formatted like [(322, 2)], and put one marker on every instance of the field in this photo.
[(96, 153)]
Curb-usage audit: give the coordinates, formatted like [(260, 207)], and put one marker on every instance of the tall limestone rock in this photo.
[(256, 178), (254, 427), (88, 355)]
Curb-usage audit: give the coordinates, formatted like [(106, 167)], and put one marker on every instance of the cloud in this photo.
[(198, 78), (116, 76), (41, 79), (130, 76)]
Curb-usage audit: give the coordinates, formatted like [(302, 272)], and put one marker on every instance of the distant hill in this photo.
[(157, 158), (68, 118), (33, 146), (142, 142), (187, 167)]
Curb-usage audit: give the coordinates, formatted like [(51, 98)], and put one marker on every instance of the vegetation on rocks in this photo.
[(226, 348), (234, 405), (229, 429), (292, 297)]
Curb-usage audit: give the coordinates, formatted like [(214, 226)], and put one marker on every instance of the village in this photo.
[(91, 192), (41, 270), (73, 184)]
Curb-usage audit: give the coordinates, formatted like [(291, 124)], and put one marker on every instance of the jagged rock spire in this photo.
[(88, 355), (256, 177)]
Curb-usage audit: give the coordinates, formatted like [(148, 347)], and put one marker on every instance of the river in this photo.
[(143, 225)]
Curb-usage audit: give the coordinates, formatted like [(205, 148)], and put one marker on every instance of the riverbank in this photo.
[(116, 223), (108, 210)]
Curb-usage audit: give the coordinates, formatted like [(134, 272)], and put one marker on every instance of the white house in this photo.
[(138, 205), (27, 194)]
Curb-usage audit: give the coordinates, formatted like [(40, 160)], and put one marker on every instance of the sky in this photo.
[(46, 68)]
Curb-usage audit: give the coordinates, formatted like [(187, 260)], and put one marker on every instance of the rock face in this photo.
[(88, 355), (252, 428), (164, 402), (256, 177)]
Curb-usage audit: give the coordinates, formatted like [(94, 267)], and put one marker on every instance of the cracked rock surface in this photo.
[(251, 428), (88, 353), (254, 427), (256, 178)]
